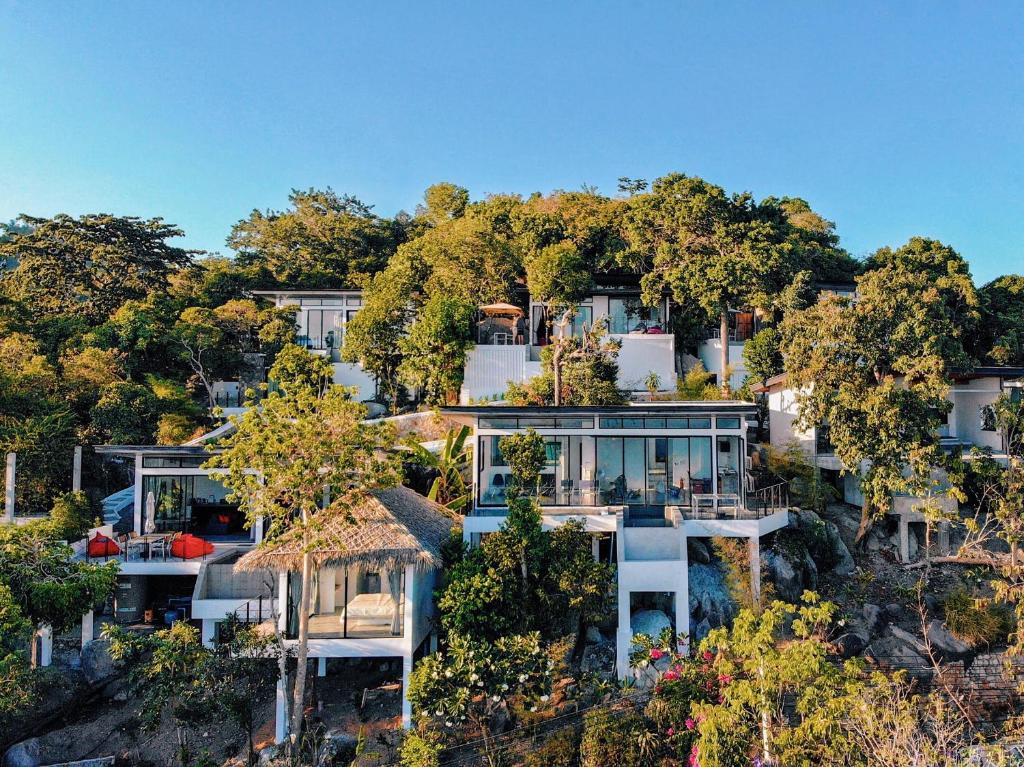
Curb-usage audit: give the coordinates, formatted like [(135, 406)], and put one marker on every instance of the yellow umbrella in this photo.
[(501, 309)]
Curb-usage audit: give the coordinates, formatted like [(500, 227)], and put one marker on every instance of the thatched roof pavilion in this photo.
[(393, 528)]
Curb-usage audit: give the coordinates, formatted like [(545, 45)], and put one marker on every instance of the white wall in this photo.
[(351, 374), (643, 353), (710, 353), (782, 415), (968, 398), (490, 368)]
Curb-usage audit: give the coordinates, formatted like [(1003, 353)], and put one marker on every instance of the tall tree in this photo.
[(48, 585), (720, 251), (304, 452), (876, 370), (90, 265), (434, 351), (324, 240), (1001, 339)]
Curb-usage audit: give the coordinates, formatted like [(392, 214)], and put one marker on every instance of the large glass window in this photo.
[(190, 504), (352, 602), (321, 328), (729, 465), (629, 315)]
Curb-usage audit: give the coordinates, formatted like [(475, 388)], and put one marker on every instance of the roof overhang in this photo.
[(167, 451), (633, 410)]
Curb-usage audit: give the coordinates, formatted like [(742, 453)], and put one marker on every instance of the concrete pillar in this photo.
[(12, 459), (595, 548), (282, 601), (327, 583), (904, 526), (209, 630), (45, 646), (943, 534), (624, 636), (137, 517), (754, 546), (76, 470), (433, 643), (321, 666), (87, 628), (280, 718), (406, 705)]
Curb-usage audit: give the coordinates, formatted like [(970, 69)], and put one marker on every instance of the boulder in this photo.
[(872, 618), (891, 652), (912, 545), (649, 622), (593, 635), (944, 643), (852, 642), (709, 595), (698, 551), (844, 564), (96, 663), (698, 632), (24, 754), (893, 611), (788, 583)]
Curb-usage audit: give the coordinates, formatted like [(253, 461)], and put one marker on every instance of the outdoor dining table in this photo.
[(147, 542)]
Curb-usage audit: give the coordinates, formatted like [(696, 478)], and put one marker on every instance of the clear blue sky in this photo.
[(892, 119)]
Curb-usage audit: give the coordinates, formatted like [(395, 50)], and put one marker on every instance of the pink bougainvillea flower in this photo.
[(656, 654), (671, 731), (690, 724), (706, 655), (724, 679)]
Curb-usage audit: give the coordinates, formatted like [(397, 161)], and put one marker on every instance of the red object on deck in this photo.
[(190, 546), (102, 546)]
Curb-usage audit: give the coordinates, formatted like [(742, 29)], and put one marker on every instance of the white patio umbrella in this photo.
[(149, 526)]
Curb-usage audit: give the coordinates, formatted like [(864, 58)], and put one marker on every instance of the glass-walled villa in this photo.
[(641, 456), (350, 602)]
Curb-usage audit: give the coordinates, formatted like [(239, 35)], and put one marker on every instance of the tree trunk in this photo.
[(723, 330), (865, 525), (33, 650), (556, 365), (302, 647)]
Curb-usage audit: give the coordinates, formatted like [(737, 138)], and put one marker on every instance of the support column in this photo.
[(321, 666), (208, 631), (45, 646), (76, 470), (282, 602), (12, 459), (87, 628), (433, 643), (595, 548), (943, 538), (624, 636), (754, 545), (904, 541), (406, 705), (280, 719), (137, 517)]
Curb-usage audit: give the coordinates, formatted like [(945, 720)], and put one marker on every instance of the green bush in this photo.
[(977, 622), (419, 751), (71, 516), (615, 738), (562, 749)]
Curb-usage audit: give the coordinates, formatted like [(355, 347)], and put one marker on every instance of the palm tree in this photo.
[(449, 487)]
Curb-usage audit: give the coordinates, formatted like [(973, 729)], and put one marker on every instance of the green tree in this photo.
[(719, 251), (125, 414), (90, 265), (45, 581), (877, 370), (172, 671), (434, 351), (762, 355), (1001, 338), (16, 679), (71, 516), (589, 373), (443, 202), (559, 277), (323, 240), (304, 452), (202, 342), (525, 455)]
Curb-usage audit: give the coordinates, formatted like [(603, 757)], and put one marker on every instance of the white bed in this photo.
[(379, 606)]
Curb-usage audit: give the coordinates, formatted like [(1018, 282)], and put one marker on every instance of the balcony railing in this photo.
[(757, 504)]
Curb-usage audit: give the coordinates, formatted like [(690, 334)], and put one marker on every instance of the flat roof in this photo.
[(289, 292), (687, 407), (157, 450), (982, 371)]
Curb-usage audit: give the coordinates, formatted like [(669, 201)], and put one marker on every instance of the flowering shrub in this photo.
[(471, 680)]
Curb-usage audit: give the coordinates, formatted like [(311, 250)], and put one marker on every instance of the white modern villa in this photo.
[(643, 478), (970, 423), (321, 317)]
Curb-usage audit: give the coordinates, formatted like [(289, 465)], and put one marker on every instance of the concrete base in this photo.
[(209, 631), (87, 628), (45, 646), (280, 708)]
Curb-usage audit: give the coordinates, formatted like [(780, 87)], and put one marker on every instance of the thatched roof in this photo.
[(392, 528)]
